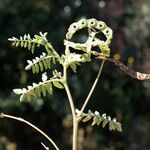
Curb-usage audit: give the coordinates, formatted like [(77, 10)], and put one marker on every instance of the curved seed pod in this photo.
[(100, 25), (92, 23), (82, 23)]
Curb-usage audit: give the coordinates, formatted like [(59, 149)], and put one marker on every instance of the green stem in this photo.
[(71, 102), (75, 134), (93, 87)]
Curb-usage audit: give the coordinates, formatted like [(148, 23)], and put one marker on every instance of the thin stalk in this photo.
[(93, 87), (71, 102), (75, 134), (2, 115)]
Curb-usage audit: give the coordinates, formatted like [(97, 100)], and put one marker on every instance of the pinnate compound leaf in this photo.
[(101, 119), (37, 90), (41, 63)]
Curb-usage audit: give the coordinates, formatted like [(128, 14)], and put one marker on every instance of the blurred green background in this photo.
[(116, 94)]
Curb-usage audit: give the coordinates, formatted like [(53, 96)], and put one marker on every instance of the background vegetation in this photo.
[(117, 94)]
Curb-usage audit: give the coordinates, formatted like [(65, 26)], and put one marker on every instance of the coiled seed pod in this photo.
[(90, 23)]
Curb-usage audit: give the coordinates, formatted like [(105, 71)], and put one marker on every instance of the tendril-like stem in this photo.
[(93, 87), (2, 115)]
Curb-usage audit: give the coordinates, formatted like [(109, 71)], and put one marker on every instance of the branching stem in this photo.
[(2, 115), (71, 102)]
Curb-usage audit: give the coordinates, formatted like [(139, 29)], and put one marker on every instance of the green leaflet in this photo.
[(49, 88), (73, 67), (87, 118), (18, 91), (58, 85), (22, 97), (95, 120)]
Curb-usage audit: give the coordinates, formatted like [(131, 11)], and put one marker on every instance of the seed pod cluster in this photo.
[(90, 23)]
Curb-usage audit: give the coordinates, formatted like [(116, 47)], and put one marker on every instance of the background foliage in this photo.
[(116, 93)]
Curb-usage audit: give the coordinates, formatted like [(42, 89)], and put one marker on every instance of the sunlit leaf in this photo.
[(58, 85)]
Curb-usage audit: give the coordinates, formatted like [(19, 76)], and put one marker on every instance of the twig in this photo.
[(47, 148), (2, 115), (128, 71)]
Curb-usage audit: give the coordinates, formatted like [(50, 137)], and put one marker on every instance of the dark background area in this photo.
[(116, 94)]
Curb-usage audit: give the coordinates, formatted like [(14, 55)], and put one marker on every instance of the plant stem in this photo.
[(71, 102), (75, 134), (93, 87), (2, 115)]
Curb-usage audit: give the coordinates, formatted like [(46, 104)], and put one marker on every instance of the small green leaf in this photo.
[(48, 62), (95, 120), (41, 66), (47, 48), (48, 87), (111, 125), (33, 69), (53, 60), (29, 45), (22, 43), (45, 63), (28, 67), (73, 67), (99, 121), (28, 96), (31, 90), (87, 118), (17, 43), (22, 97), (105, 121), (58, 85), (36, 67), (43, 89), (38, 91), (18, 91), (44, 77), (32, 48), (118, 126)]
